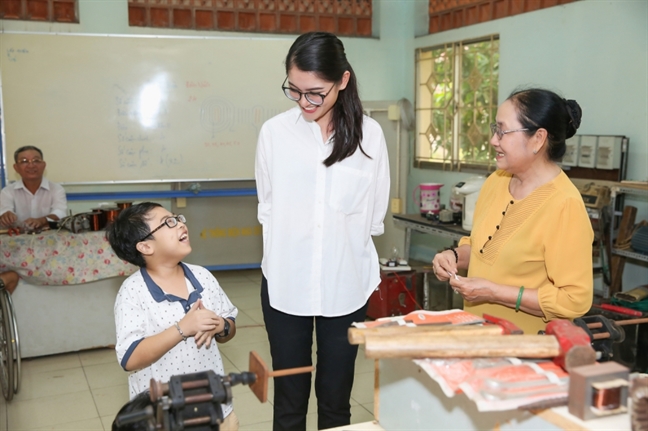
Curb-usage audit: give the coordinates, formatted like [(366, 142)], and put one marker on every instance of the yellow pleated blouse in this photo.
[(543, 242)]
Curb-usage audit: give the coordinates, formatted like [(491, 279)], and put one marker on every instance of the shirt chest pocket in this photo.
[(349, 189)]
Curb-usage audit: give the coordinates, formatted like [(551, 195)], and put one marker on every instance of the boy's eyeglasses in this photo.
[(171, 222), (495, 130), (25, 162), (316, 99)]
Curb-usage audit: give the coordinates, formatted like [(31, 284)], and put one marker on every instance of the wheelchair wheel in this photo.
[(6, 348), (15, 341)]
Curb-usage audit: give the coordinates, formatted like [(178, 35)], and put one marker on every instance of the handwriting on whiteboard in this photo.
[(132, 127), (159, 125), (141, 156), (14, 53), (198, 84), (218, 115), (223, 144)]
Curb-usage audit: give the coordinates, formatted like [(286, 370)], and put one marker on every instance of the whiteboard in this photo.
[(125, 109)]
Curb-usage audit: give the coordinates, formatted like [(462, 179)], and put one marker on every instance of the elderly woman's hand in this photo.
[(473, 289), (444, 265)]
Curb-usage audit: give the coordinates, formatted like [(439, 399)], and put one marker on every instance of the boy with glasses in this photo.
[(32, 201), (169, 314)]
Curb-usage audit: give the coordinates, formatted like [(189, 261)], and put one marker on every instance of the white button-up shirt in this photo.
[(48, 199), (318, 255)]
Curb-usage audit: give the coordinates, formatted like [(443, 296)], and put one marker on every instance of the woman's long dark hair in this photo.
[(323, 54)]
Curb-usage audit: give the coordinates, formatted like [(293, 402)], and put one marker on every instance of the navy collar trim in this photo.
[(158, 294)]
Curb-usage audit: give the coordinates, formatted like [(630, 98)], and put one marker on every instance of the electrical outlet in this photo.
[(396, 206), (393, 112)]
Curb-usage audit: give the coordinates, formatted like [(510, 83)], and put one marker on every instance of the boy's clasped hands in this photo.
[(202, 324)]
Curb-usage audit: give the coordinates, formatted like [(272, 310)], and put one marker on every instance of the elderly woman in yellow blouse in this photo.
[(529, 255)]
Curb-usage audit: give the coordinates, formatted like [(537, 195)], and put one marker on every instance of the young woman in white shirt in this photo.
[(323, 186)]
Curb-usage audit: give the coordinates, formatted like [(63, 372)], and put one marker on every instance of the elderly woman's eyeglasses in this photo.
[(495, 130), (316, 99), (171, 222)]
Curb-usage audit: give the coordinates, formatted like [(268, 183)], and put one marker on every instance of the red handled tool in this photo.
[(619, 309), (508, 328)]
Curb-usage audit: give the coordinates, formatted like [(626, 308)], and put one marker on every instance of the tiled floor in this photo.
[(83, 391)]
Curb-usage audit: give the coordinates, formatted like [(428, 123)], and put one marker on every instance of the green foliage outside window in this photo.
[(456, 101)]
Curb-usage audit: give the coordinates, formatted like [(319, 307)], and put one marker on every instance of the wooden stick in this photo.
[(357, 335), (291, 371), (259, 368), (376, 390), (631, 321), (468, 346)]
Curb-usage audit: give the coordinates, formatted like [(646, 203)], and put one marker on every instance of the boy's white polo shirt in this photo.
[(142, 309)]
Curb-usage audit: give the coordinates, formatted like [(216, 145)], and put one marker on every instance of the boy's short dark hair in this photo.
[(127, 230), (137, 404)]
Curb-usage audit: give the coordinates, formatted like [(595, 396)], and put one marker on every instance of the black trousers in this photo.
[(291, 339)]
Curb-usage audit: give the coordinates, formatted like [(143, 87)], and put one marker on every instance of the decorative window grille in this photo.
[(40, 10), (448, 14), (342, 17), (456, 100)]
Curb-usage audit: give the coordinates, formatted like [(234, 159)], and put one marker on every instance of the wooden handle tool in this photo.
[(461, 346), (357, 335), (619, 309), (567, 344), (258, 367)]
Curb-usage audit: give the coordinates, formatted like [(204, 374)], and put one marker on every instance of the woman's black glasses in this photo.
[(316, 99)]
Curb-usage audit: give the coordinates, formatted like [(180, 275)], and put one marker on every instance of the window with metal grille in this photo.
[(456, 100)]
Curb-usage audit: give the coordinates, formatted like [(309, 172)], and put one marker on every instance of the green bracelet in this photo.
[(519, 300)]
